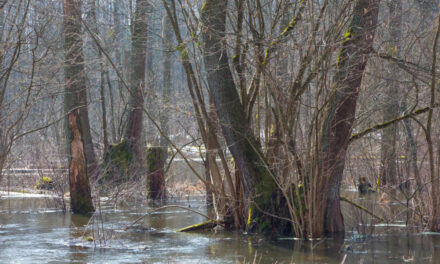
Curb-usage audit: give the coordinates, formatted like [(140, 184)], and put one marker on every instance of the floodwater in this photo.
[(31, 231)]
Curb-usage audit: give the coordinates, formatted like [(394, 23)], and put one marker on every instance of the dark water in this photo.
[(33, 232)]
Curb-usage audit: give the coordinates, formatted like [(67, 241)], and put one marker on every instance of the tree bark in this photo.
[(79, 143), (155, 174), (80, 195), (389, 135), (116, 39), (259, 185), (428, 9), (102, 77), (167, 46), (335, 135), (133, 133)]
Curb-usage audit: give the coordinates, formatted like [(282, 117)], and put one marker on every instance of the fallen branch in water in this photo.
[(363, 208), (201, 226), (171, 206)]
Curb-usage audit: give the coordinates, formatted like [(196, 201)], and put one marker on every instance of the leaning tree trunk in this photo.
[(78, 129), (259, 185), (335, 135), (133, 134)]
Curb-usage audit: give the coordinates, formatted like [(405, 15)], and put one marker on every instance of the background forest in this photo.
[(277, 107)]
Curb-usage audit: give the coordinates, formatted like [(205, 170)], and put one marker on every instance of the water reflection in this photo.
[(30, 232)]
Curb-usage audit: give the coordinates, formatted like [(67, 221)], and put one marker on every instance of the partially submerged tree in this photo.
[(261, 185), (258, 181), (80, 154), (335, 136)]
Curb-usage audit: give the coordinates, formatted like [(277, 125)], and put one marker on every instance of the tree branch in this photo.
[(390, 122)]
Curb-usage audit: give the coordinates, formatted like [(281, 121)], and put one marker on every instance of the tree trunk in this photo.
[(351, 63), (80, 150), (155, 174), (428, 9), (434, 225), (118, 46), (102, 77), (3, 152), (133, 133), (167, 46), (259, 185), (74, 69), (80, 196), (389, 135), (151, 105)]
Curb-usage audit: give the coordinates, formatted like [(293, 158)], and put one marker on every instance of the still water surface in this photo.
[(33, 232)]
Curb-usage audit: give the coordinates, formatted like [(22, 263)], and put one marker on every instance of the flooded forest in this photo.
[(219, 131)]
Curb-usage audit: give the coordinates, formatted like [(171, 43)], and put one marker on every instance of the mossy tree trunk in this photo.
[(133, 133), (80, 151), (155, 174), (339, 118), (258, 183)]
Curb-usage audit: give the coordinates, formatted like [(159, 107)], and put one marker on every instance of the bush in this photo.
[(45, 183)]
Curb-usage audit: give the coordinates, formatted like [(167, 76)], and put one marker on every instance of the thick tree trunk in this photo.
[(78, 135), (76, 95), (133, 134), (259, 185), (80, 196), (351, 63)]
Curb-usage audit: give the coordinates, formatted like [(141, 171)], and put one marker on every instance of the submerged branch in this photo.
[(363, 208), (172, 206), (201, 226)]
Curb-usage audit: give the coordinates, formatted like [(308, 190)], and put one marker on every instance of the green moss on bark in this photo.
[(118, 160)]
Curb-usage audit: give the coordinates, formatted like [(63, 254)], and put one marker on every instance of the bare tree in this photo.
[(78, 136), (133, 133), (337, 126)]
